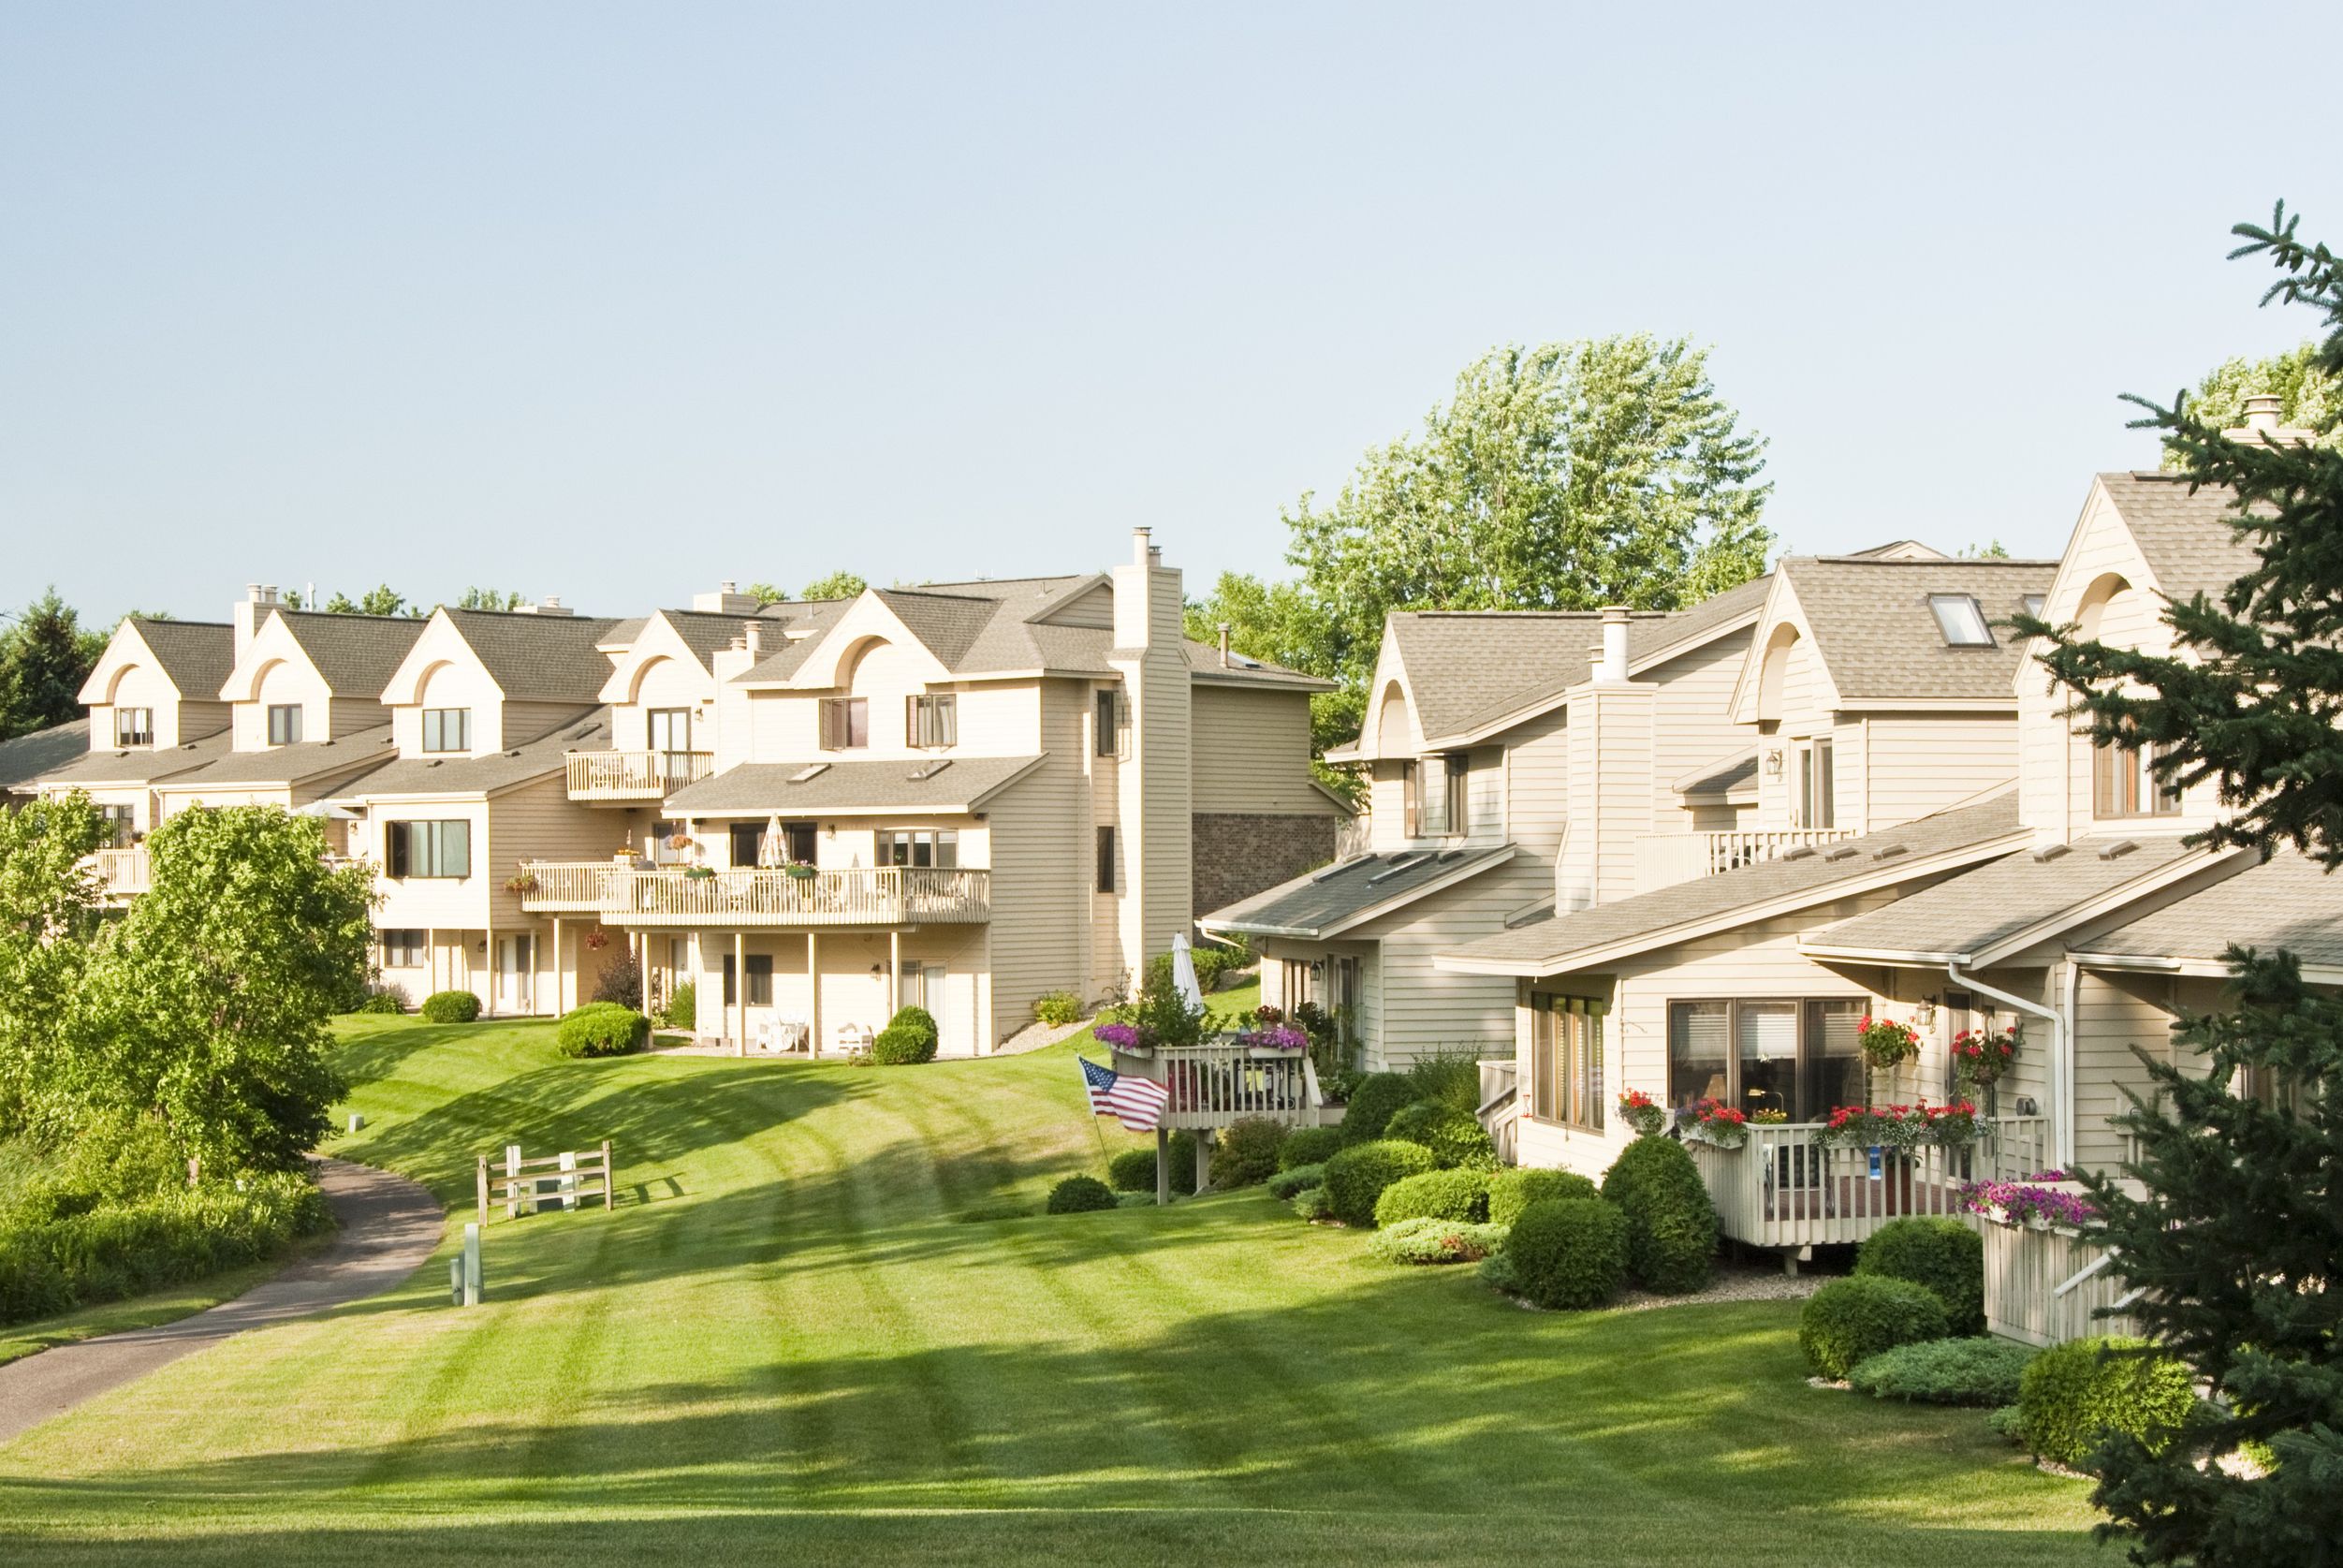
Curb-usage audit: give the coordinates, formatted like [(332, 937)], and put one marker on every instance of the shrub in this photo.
[(1497, 1271), (1356, 1176), (909, 1038), (1374, 1100), (1430, 1239), (1849, 1320), (620, 982), (1056, 1009), (1456, 1137), (1448, 1080), (1080, 1194), (1309, 1146), (1436, 1195), (1246, 1154), (1569, 1251), (1512, 1191), (1943, 1254), (450, 1007), (1965, 1372), (381, 999), (602, 1028), (1286, 1184), (1211, 963), (1671, 1225), (2075, 1396), (683, 1008), (1134, 1169), (1312, 1203)]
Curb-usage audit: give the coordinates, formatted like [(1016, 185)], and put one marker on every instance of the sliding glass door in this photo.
[(1798, 1056)]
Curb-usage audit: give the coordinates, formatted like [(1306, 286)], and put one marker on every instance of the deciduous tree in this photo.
[(48, 913)]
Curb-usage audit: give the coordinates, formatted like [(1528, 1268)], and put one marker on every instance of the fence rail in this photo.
[(1782, 1190), (881, 896), (2048, 1286), (563, 1180), (1213, 1085), (634, 775), (122, 872), (1665, 860)]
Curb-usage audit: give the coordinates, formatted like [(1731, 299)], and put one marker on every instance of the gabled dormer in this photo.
[(477, 683), (301, 678), (157, 684)]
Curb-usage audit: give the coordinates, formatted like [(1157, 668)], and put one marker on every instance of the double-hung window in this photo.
[(760, 968), (122, 825), (1799, 1056), (845, 723), (1112, 725), (402, 949), (931, 719), (919, 846), (1818, 785), (427, 849), (284, 724), (2124, 784), (1433, 796), (446, 729), (1105, 867), (134, 727), (1566, 1061)]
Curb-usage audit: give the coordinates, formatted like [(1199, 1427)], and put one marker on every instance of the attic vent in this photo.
[(1332, 871), (1448, 855), (1398, 865), (2049, 852), (810, 771), (1844, 852), (2121, 848), (515, 752), (1892, 851), (432, 762), (929, 769), (1804, 852)]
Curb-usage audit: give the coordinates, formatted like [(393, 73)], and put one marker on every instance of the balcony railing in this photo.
[(1665, 860), (1220, 1082), (122, 872), (884, 896), (634, 775), (1781, 1190)]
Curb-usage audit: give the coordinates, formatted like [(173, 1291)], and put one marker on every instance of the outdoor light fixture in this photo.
[(1773, 763), (1925, 1014)]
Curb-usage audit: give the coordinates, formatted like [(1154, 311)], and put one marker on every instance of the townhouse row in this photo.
[(961, 794)]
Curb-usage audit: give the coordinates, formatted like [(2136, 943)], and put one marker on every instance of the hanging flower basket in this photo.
[(595, 939), (1715, 1123), (1886, 1043), (1641, 1113), (798, 870), (1982, 1055), (524, 883), (679, 840)]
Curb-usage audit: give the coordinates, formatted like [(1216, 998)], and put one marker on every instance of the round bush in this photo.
[(1568, 1251), (1512, 1191), (1967, 1371), (1309, 1146), (1245, 1152), (1431, 1240), (1134, 1169), (450, 1007), (1943, 1254), (1436, 1195), (1286, 1184), (1056, 1009), (1312, 1203), (381, 999), (908, 1039), (1080, 1194), (1671, 1225), (1456, 1137), (1375, 1099), (601, 1029), (1849, 1320), (1356, 1176), (2075, 1396)]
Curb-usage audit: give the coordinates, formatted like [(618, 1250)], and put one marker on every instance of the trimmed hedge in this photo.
[(1461, 1195), (1943, 1254), (1286, 1184), (1429, 1240), (1375, 1099), (1849, 1320), (1671, 1225), (1312, 1203), (450, 1007), (601, 1029), (1568, 1251), (2075, 1396), (1456, 1137), (1245, 1155), (1056, 1009), (1134, 1169), (1356, 1176), (1963, 1371), (908, 1039), (1514, 1190), (1309, 1146), (1080, 1194)]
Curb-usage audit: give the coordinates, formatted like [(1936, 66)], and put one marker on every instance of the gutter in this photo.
[(2061, 1051)]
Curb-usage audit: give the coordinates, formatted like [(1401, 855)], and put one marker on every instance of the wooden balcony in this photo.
[(1781, 1189), (122, 872), (631, 778), (1665, 860), (1219, 1082), (884, 896)]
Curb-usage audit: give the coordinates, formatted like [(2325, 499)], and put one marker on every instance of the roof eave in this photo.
[(2154, 880)]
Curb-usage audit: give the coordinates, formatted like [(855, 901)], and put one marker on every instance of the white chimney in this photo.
[(551, 605), (1141, 546), (753, 639), (1224, 645), (726, 600), (250, 615), (2261, 427), (1614, 665)]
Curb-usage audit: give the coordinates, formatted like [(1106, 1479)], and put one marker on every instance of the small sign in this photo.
[(1878, 1163)]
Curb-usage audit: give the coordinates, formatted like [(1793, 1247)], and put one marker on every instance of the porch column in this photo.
[(740, 991), (894, 972), (431, 961), (642, 965), (558, 1008), (495, 970), (813, 994)]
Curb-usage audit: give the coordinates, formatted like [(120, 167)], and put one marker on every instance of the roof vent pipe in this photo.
[(1613, 666), (1140, 545), (1224, 645), (754, 635)]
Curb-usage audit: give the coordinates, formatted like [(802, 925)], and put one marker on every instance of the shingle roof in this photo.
[(1874, 632), (2190, 537), (138, 764), (2286, 901), (28, 756), (1328, 899), (850, 786), (1724, 779), (1973, 912), (1556, 945), (538, 658), (589, 731), (291, 764), (944, 624), (197, 655), (356, 654), (706, 635)]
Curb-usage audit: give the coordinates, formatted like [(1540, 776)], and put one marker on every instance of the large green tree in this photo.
[(2236, 1240), (2310, 395), (45, 656), (49, 913)]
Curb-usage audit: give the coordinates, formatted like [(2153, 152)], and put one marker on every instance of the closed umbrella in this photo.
[(1184, 971), (772, 853)]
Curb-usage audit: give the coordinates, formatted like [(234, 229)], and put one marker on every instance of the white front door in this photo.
[(515, 978)]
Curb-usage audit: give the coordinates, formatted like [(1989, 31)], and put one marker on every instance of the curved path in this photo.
[(388, 1226)]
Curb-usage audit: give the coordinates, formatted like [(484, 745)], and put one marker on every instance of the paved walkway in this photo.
[(389, 1225)]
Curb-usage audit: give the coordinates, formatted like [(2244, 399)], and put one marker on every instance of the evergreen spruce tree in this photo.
[(44, 658)]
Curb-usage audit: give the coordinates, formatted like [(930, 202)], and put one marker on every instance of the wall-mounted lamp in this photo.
[(1923, 1013), (1773, 763)]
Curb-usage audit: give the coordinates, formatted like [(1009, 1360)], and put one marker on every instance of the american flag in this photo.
[(1135, 1102)]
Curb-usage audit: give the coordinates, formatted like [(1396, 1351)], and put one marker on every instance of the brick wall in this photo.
[(1239, 854)]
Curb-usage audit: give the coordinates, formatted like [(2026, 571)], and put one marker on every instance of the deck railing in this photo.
[(2048, 1286), (1214, 1084), (122, 872), (1665, 860), (880, 896), (1781, 1188), (634, 775)]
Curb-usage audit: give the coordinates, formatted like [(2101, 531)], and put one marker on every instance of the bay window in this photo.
[(1566, 1061)]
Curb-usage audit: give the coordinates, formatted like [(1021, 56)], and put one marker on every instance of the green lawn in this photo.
[(783, 1345)]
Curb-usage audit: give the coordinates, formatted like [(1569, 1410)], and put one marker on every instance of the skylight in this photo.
[(2033, 605), (1961, 620)]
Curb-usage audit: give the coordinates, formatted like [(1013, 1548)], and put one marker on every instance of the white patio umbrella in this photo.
[(772, 853), (1184, 971)]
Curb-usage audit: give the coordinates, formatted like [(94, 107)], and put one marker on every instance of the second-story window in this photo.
[(1105, 867), (931, 719), (427, 849), (671, 730), (1818, 786), (1433, 796), (1112, 725), (122, 825), (284, 724), (446, 729), (134, 727), (845, 723), (2123, 784), (919, 846)]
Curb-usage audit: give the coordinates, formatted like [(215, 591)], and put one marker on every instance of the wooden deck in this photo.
[(1781, 1189)]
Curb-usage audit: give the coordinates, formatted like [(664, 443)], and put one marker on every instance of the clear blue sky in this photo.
[(613, 301)]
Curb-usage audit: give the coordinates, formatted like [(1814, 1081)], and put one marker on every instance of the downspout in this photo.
[(2061, 1062)]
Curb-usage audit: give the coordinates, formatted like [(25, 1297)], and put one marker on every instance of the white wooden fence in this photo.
[(878, 896), (2046, 1286), (1214, 1084), (1665, 860), (1781, 1190), (634, 775)]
